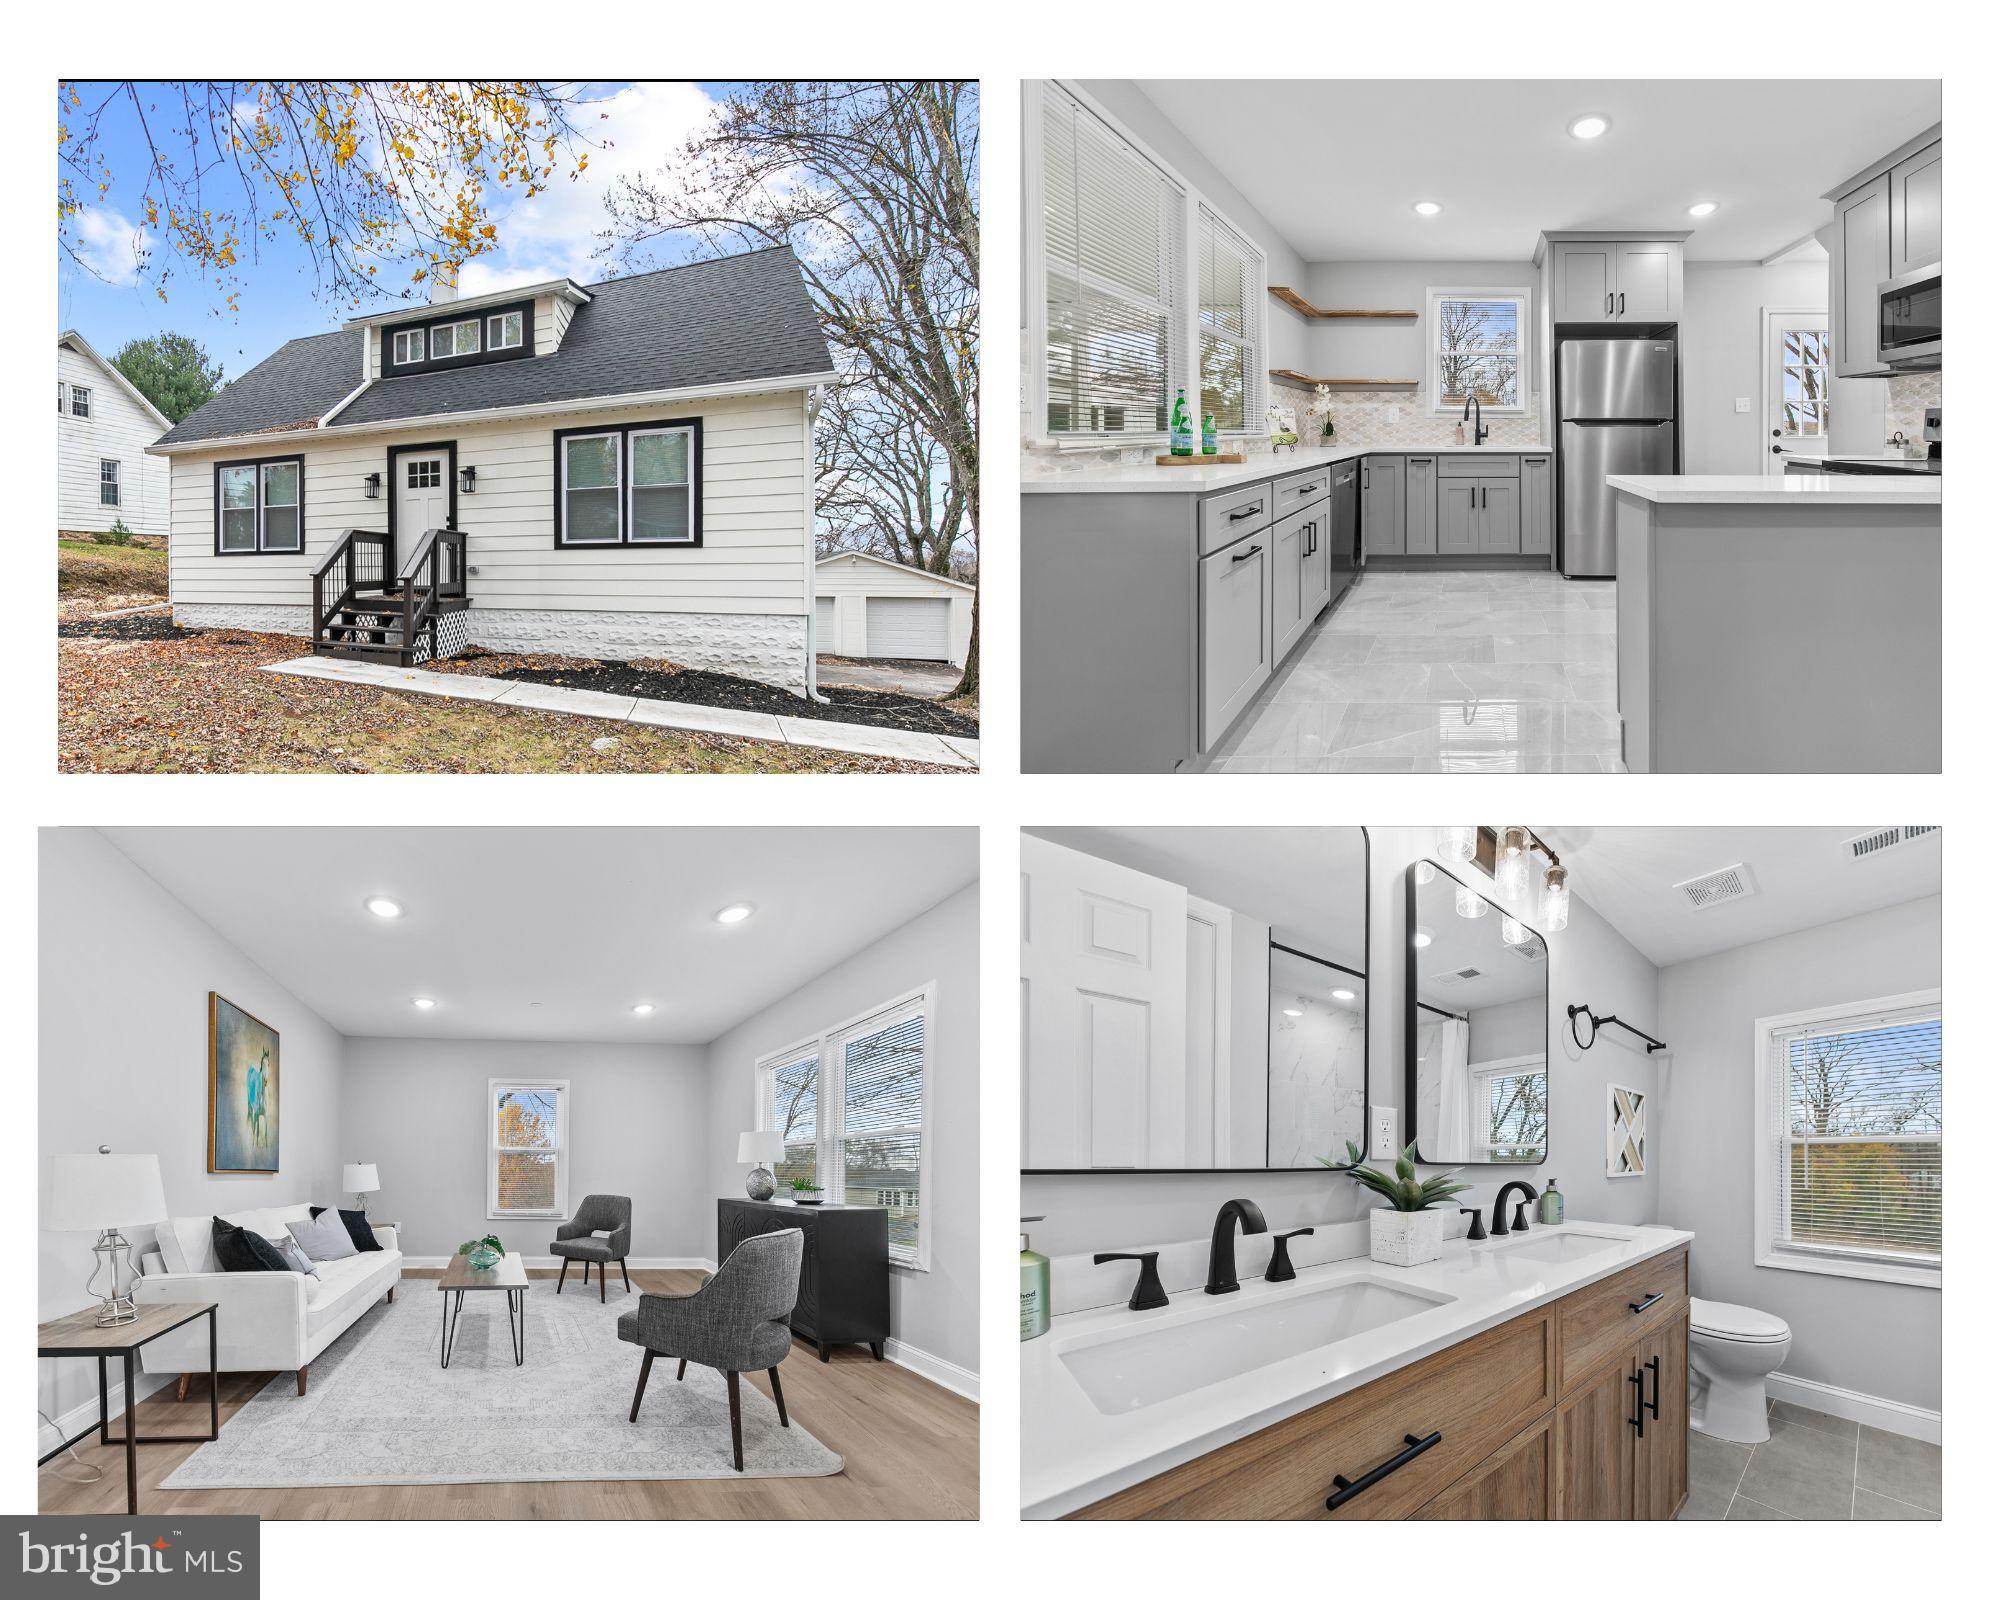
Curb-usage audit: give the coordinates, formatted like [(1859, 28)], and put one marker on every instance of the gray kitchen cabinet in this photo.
[(1420, 506), (1236, 645), (1538, 506), (1614, 280), (1382, 505), (1916, 211), (1291, 552), (1581, 277), (1458, 516), (1499, 516), (1647, 281), (1861, 260), (1319, 560)]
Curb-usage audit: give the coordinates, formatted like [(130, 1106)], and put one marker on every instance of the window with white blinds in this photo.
[(1851, 1141), (1112, 243), (851, 1107), (1511, 1101), (1230, 301)]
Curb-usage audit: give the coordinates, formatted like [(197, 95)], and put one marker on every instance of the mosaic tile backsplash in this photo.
[(1909, 394)]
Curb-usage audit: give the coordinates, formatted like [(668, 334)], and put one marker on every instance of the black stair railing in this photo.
[(356, 565)]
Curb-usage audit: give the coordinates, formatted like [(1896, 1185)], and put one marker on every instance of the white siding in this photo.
[(118, 428), (755, 528), (850, 580)]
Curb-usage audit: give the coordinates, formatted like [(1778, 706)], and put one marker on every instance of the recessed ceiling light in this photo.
[(383, 906), (1293, 1011), (1592, 125), (643, 1009), (1702, 208), (1427, 208), (1421, 937), (735, 913), (423, 1002), (1343, 994)]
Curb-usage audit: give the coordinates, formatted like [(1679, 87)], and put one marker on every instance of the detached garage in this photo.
[(870, 608)]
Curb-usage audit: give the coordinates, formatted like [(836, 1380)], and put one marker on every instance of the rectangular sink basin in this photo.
[(1562, 1247), (1164, 1361)]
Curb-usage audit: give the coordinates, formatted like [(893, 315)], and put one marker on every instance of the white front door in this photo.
[(423, 499), (1798, 373)]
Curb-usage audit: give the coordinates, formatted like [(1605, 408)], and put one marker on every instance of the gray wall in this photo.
[(638, 1125), (1881, 1339), (937, 1311), (1722, 355), (1398, 349), (125, 974)]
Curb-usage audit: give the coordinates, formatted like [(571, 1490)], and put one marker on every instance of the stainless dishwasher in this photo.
[(1345, 544)]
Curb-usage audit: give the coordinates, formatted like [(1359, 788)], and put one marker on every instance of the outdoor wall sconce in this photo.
[(371, 486), (468, 479)]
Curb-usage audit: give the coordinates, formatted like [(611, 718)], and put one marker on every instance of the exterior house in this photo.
[(866, 606), (104, 427), (618, 470)]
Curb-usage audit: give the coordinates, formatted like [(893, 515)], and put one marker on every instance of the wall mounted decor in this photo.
[(1625, 1150), (242, 1090)]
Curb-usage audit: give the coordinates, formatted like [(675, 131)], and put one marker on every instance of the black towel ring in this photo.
[(1597, 1022)]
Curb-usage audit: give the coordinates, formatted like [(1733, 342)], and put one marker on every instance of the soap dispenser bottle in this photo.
[(1034, 1290), (1549, 1210)]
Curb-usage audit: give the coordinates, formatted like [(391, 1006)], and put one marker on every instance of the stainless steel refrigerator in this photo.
[(1616, 398)]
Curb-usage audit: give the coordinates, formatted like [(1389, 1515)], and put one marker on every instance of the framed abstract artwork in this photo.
[(242, 1090), (1625, 1147)]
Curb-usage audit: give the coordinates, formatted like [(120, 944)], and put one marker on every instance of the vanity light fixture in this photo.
[(645, 1008), (733, 914), (1427, 208), (1507, 855), (1457, 844), (383, 906), (1421, 937), (423, 1002), (1591, 125), (1555, 897), (1703, 208), (1471, 904), (1510, 871), (1426, 873)]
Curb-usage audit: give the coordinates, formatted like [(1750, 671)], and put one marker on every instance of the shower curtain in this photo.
[(1454, 1092)]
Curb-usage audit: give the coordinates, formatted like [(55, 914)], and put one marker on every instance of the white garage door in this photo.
[(823, 640), (909, 629)]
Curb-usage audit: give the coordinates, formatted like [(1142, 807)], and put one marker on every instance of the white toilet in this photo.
[(1731, 1350)]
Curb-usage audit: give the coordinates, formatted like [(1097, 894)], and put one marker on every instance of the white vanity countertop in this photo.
[(1145, 478), (1073, 1455), (1748, 489)]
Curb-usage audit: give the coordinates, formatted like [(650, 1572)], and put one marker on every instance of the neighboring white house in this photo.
[(871, 607), (104, 426), (616, 470)]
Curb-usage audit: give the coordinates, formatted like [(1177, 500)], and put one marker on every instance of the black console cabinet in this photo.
[(844, 1276)]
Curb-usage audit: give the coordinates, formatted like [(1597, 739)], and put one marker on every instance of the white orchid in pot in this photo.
[(1321, 411), (1410, 1232)]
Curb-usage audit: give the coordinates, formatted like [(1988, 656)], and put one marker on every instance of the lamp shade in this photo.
[(358, 1177), (761, 1148), (90, 1193)]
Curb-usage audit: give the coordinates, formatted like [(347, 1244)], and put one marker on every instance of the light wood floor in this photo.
[(912, 1451)]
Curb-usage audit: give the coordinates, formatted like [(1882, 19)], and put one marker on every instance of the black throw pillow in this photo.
[(243, 1250), (356, 1223)]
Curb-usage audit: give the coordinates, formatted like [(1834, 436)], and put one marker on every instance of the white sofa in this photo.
[(264, 1321)]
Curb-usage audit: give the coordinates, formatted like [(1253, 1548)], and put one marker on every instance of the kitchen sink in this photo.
[(1561, 1247), (1130, 1371)]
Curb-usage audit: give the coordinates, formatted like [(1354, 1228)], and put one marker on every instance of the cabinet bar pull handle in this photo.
[(1640, 1305), (1344, 1490), (1621, 305), (1610, 304), (1247, 554), (1247, 511), (1653, 1405), (1638, 1417)]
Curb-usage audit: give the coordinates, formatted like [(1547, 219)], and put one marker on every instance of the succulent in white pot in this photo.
[(1410, 1232)]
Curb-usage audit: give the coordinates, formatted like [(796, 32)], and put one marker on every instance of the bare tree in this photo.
[(875, 187), (884, 487)]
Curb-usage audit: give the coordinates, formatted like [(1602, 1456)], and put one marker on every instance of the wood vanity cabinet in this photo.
[(1538, 1418)]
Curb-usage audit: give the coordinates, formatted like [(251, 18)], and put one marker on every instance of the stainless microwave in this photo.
[(1909, 319)]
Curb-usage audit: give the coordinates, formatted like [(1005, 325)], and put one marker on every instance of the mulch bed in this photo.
[(662, 680), (149, 626)]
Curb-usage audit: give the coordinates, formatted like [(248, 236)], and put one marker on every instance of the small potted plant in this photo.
[(1409, 1233), (1321, 410), (806, 1193), (483, 1254)]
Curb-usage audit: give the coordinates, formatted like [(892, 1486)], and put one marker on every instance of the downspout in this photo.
[(812, 408)]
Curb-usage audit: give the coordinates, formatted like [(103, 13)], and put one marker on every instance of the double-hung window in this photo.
[(408, 347), (107, 483), (260, 506), (62, 398), (79, 400), (661, 509), (1477, 340), (1510, 1109), (455, 339), (1230, 308), (1850, 1140), (851, 1105), (527, 1147), (636, 484), (503, 332)]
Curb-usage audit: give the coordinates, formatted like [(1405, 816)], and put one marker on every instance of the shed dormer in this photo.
[(450, 333)]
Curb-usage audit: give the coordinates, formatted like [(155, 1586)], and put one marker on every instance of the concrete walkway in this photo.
[(855, 738), (917, 678)]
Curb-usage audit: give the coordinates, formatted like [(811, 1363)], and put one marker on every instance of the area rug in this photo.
[(379, 1409)]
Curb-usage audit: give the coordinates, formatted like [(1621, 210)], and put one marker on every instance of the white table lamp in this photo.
[(100, 1194), (765, 1149), (359, 1176)]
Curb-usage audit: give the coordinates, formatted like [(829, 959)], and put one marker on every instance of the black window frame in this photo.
[(259, 463), (79, 392), (445, 316), (624, 432), (115, 483)]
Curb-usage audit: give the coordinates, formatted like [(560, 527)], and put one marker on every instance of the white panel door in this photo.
[(909, 628), (423, 500), (1104, 1013)]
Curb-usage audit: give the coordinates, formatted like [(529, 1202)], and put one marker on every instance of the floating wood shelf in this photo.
[(1290, 376), (1306, 308)]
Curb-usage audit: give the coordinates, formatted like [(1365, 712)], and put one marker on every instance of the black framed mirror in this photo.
[(1195, 999), (1475, 1026)]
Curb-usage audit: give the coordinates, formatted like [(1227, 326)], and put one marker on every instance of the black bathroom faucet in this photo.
[(1222, 1245), (1500, 1207)]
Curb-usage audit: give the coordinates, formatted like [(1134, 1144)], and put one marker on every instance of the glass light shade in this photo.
[(1555, 899), (1426, 873), (1510, 877), (1471, 905), (1512, 932), (1458, 844)]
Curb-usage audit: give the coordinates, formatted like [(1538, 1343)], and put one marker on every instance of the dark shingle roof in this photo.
[(294, 388), (732, 320)]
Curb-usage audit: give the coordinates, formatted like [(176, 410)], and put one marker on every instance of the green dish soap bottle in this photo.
[(1208, 434), (1180, 429), (1034, 1290), (1549, 1210)]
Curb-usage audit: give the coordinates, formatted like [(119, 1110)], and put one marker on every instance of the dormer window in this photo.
[(455, 339), (458, 336), (503, 332), (409, 346)]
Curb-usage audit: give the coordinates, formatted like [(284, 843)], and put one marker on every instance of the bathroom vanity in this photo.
[(1539, 1375)]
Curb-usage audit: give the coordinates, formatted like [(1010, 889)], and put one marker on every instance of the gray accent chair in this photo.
[(735, 1322), (599, 1212)]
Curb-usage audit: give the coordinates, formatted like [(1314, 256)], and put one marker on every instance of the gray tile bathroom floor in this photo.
[(1814, 1468), (1445, 672)]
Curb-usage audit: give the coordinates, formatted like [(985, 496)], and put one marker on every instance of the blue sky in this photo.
[(549, 236)]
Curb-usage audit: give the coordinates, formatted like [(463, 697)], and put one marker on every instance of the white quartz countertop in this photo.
[(1073, 1455), (1746, 489), (1146, 478)]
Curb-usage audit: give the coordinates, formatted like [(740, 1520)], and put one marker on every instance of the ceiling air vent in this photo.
[(1715, 888), (1444, 980), (1880, 839)]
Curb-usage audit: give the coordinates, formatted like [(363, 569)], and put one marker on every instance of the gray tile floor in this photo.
[(1814, 1468), (1445, 672)]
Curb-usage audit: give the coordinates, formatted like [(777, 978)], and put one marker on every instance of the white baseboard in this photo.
[(1891, 1416), (552, 1263), (945, 1374), (83, 1414)]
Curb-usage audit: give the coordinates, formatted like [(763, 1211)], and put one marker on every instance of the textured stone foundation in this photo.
[(251, 619), (768, 649)]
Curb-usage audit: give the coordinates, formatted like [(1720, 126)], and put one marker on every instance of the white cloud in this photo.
[(557, 233), (111, 244)]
